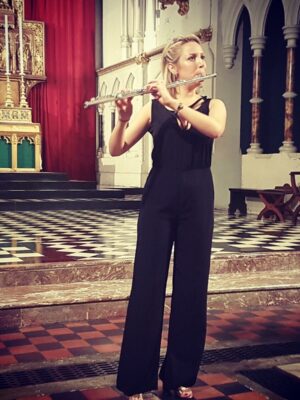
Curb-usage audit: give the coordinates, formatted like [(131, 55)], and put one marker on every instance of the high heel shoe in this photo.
[(181, 392)]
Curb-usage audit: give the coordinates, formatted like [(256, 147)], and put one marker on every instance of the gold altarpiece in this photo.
[(21, 67)]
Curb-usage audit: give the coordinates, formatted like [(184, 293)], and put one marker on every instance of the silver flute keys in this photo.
[(140, 92)]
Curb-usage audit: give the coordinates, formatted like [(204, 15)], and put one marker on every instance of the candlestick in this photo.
[(21, 44), (6, 44)]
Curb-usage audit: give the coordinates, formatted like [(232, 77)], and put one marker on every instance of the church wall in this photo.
[(230, 168), (226, 164)]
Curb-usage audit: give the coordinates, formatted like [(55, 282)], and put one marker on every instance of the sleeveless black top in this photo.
[(176, 148)]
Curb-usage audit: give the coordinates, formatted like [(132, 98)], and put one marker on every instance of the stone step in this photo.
[(44, 184), (96, 270), (69, 204), (30, 305), (61, 193), (33, 176)]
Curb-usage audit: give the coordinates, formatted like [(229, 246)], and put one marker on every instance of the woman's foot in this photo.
[(136, 397), (181, 392), (184, 393)]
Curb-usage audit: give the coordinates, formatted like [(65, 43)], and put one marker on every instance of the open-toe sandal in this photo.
[(136, 397), (181, 392)]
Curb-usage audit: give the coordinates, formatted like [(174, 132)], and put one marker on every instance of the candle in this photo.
[(21, 45), (6, 44)]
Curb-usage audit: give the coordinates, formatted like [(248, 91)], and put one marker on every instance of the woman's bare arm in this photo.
[(125, 135)]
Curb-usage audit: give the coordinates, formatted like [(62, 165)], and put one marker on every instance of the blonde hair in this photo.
[(171, 54)]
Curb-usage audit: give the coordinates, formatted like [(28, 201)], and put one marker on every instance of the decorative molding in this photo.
[(291, 34), (205, 35), (142, 59), (183, 5), (291, 12), (13, 114), (229, 54), (258, 44)]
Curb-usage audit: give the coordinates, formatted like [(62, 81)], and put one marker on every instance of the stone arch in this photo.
[(103, 89), (129, 82), (115, 87), (230, 19), (258, 11), (291, 12)]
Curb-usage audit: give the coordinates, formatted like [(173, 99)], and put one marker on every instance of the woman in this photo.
[(177, 208)]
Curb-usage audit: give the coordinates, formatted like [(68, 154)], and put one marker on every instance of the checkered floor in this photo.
[(47, 236), (207, 386), (62, 341)]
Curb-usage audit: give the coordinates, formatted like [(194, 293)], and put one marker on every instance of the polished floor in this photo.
[(49, 345), (239, 341), (46, 236)]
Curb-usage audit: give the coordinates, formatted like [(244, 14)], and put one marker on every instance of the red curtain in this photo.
[(68, 129)]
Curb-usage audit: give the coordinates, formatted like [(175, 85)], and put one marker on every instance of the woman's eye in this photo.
[(192, 58), (202, 57)]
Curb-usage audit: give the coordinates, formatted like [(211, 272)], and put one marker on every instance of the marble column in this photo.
[(291, 34), (257, 46), (125, 40), (138, 38)]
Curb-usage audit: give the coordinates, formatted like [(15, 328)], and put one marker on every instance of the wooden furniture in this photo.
[(276, 202), (296, 193), (238, 200)]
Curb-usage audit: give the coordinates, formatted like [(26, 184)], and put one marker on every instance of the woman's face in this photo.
[(191, 62)]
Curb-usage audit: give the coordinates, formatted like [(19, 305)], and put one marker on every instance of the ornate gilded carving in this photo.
[(142, 59), (15, 114), (28, 138), (32, 62), (15, 134), (205, 35), (6, 138), (183, 5)]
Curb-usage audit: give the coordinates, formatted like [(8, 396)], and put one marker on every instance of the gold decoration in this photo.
[(142, 59), (33, 52), (15, 133), (15, 114), (205, 35), (183, 5), (18, 74), (31, 140)]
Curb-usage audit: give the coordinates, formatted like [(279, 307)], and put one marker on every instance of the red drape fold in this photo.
[(68, 129)]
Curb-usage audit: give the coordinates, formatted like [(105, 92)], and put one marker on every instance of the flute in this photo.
[(140, 92)]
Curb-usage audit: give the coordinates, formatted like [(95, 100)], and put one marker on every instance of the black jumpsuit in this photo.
[(177, 207)]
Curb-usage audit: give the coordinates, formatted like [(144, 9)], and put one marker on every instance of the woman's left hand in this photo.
[(160, 92)]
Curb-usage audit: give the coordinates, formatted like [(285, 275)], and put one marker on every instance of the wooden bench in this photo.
[(238, 200), (273, 199)]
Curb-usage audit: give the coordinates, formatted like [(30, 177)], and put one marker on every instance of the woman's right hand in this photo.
[(124, 107)]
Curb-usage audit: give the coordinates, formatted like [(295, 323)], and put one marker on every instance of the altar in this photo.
[(21, 67)]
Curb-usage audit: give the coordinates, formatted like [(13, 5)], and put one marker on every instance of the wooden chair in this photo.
[(276, 203), (296, 193)]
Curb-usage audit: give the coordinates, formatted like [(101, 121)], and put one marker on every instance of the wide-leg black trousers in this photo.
[(177, 209)]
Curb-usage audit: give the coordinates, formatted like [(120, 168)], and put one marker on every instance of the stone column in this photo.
[(138, 38), (100, 128), (150, 34), (125, 41), (257, 46), (291, 34)]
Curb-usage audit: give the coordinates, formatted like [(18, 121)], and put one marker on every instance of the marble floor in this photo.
[(239, 342), (46, 236), (89, 342)]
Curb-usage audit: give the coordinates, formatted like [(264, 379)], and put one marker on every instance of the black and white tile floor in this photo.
[(45, 236)]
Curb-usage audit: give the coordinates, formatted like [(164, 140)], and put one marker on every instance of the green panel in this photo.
[(26, 154), (5, 154)]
